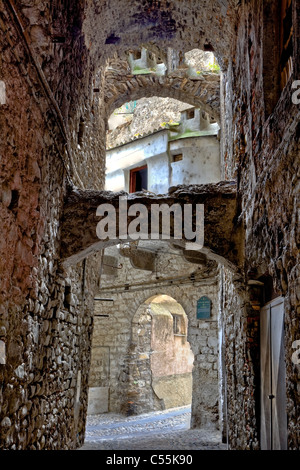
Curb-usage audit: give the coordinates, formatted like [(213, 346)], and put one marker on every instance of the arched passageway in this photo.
[(160, 359), (123, 339), (202, 92)]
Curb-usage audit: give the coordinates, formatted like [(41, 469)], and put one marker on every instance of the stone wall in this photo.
[(263, 155), (45, 311), (114, 328), (121, 87), (54, 135), (240, 325)]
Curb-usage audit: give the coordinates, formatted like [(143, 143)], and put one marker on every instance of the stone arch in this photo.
[(156, 292), (119, 86), (202, 337), (223, 232), (160, 358), (186, 304), (204, 93)]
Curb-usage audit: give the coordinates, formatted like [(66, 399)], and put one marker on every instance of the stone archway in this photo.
[(122, 86), (160, 358), (118, 322), (223, 233)]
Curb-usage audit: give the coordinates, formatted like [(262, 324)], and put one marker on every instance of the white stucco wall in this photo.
[(135, 154), (200, 163)]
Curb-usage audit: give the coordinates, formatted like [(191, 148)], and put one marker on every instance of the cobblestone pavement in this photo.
[(163, 430)]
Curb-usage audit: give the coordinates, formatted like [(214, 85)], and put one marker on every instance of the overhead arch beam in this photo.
[(202, 93), (223, 236)]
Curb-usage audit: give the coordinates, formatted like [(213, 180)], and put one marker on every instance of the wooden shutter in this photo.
[(273, 386)]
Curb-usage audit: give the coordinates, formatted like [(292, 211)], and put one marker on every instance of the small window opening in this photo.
[(178, 157), (138, 179), (178, 325), (136, 55), (67, 296), (190, 114), (14, 200), (181, 58)]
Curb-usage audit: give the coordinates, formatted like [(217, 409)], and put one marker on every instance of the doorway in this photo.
[(138, 179), (273, 386), (160, 358)]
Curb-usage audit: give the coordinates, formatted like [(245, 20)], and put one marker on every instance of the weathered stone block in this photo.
[(98, 400)]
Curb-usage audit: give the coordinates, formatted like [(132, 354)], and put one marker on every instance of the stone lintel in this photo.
[(223, 237)]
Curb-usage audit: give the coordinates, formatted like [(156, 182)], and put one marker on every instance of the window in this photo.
[(138, 179), (190, 114), (286, 42), (178, 325), (81, 130), (178, 157), (67, 297), (136, 55)]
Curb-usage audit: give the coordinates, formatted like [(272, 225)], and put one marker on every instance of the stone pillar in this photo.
[(205, 403)]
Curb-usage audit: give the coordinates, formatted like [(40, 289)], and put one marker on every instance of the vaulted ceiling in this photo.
[(182, 25)]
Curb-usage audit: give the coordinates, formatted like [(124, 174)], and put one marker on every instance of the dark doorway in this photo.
[(138, 179)]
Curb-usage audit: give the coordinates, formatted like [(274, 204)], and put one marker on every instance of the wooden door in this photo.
[(273, 386), (138, 179)]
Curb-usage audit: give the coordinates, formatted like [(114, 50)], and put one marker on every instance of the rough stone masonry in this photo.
[(53, 121)]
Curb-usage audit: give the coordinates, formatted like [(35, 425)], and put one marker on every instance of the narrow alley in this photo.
[(150, 216)]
